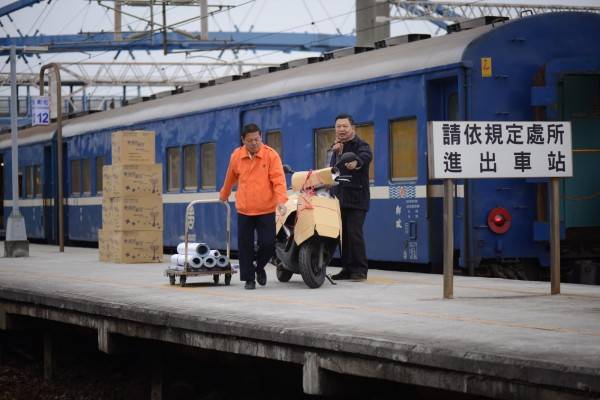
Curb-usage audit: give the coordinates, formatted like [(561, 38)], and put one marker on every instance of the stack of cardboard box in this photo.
[(132, 209)]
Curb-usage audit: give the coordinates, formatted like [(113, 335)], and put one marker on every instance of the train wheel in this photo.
[(172, 279), (313, 262), (182, 280), (283, 275), (216, 279), (227, 279)]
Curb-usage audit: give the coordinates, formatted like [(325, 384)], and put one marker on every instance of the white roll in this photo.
[(209, 261), (215, 253), (201, 249), (193, 260), (222, 261)]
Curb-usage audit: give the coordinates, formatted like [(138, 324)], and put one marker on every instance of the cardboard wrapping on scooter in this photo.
[(317, 214), (316, 178)]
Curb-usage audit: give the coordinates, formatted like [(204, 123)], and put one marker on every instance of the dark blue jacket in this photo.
[(356, 193)]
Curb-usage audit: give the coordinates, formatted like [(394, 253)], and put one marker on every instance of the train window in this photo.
[(273, 140), (403, 149), (99, 166), (190, 172), (324, 138), (29, 181), (75, 177), (367, 133), (173, 169), (208, 159), (37, 180), (86, 174)]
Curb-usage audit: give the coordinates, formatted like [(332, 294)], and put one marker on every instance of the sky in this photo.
[(312, 16)]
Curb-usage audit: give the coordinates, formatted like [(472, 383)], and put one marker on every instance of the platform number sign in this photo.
[(40, 110)]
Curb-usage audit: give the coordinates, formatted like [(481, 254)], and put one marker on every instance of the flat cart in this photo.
[(187, 270)]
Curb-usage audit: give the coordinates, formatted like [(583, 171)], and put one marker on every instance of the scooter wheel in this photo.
[(283, 275), (313, 262)]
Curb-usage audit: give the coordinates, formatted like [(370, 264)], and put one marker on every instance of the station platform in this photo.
[(496, 338)]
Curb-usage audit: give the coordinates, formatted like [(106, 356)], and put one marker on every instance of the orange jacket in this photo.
[(260, 181)]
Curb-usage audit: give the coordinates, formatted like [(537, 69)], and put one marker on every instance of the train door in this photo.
[(50, 227), (1, 193), (579, 102), (570, 91), (442, 105), (268, 119), (66, 186)]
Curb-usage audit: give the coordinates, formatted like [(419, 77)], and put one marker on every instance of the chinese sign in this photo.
[(492, 149), (40, 110)]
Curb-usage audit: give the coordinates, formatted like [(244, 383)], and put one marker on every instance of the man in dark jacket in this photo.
[(354, 197)]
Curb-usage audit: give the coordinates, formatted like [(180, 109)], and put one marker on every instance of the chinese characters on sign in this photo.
[(492, 149), (40, 110)]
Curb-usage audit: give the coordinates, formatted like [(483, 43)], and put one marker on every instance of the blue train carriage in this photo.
[(539, 67), (544, 67), (36, 173)]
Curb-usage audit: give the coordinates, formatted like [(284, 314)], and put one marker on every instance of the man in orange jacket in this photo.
[(261, 190)]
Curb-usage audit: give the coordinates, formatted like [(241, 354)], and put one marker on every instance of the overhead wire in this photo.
[(73, 19), (337, 29), (312, 22), (32, 27), (52, 5), (247, 13), (315, 41)]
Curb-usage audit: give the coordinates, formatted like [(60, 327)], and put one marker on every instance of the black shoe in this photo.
[(342, 275), (358, 277), (261, 276), (250, 285)]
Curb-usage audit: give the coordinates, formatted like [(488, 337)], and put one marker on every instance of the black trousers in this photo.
[(354, 255), (264, 226)]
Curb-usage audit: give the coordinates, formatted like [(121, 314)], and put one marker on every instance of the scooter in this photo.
[(308, 234)]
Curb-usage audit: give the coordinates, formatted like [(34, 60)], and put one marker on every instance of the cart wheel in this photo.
[(227, 279), (172, 279), (216, 279), (182, 280)]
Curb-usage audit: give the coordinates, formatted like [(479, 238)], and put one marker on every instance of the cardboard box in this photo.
[(103, 245), (132, 180), (132, 213), (129, 247), (132, 147), (321, 215)]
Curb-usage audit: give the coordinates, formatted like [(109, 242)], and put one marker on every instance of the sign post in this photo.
[(16, 243), (448, 238), (494, 149)]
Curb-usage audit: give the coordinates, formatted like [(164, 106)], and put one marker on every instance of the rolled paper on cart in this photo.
[(222, 261), (201, 249), (193, 260), (209, 262), (214, 253), (176, 267)]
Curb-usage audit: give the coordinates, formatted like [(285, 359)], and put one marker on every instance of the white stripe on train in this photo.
[(377, 193)]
